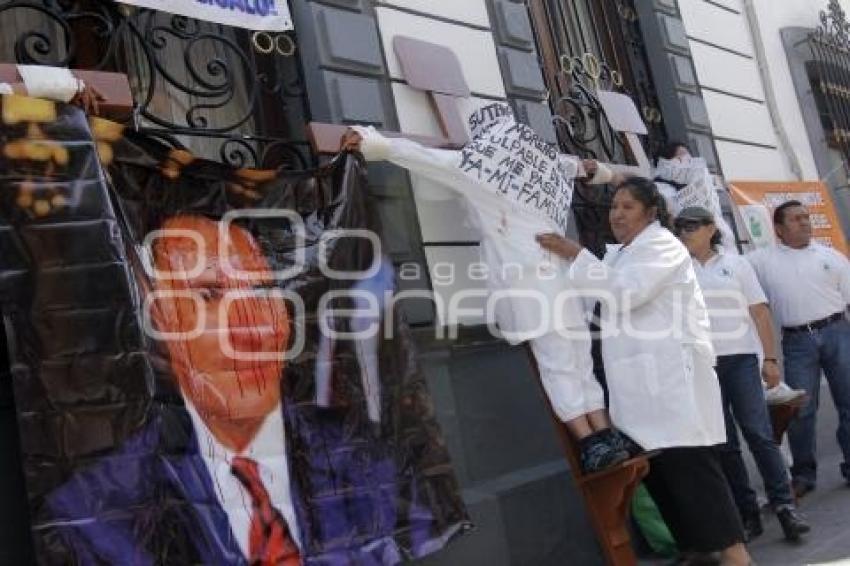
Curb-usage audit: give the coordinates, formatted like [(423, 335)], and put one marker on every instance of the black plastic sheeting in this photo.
[(127, 440)]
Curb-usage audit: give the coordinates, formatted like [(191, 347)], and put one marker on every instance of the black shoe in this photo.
[(599, 452), (793, 525), (752, 527), (697, 559), (704, 559)]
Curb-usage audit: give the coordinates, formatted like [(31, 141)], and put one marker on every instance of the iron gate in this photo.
[(829, 73), (224, 93), (586, 46)]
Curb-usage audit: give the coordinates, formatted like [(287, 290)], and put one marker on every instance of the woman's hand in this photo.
[(591, 166), (350, 141), (558, 245), (88, 98), (600, 174), (770, 373)]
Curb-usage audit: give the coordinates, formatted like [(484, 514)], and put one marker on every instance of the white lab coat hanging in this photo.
[(515, 186), (656, 345)]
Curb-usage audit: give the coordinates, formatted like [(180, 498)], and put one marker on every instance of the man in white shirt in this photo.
[(808, 286)]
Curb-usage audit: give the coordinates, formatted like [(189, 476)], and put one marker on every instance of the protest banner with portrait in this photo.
[(207, 364)]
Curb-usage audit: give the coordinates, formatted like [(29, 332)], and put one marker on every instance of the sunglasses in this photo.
[(689, 225)]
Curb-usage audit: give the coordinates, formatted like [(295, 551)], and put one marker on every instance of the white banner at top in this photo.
[(260, 15)]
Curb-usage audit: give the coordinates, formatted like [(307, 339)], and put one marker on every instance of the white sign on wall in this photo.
[(759, 222), (260, 15)]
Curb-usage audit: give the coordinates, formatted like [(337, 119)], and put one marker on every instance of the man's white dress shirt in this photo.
[(803, 285), (268, 449)]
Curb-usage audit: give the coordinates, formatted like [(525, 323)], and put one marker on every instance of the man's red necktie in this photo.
[(270, 541)]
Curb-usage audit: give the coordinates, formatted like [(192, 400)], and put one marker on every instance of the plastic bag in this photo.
[(166, 315)]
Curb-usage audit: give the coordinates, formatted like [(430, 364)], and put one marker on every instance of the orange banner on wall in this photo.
[(757, 200)]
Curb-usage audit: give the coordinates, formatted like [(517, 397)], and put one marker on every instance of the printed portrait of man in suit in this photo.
[(232, 474), (234, 403), (178, 423)]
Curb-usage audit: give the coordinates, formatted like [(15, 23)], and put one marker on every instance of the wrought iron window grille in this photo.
[(829, 74), (224, 93), (586, 46)]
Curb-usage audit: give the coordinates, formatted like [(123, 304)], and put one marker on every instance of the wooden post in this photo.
[(117, 103), (607, 494), (625, 119)]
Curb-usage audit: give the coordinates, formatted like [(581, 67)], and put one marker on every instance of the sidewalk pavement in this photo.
[(827, 508)]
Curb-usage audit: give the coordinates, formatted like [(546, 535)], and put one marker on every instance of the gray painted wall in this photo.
[(668, 47), (685, 114), (347, 83)]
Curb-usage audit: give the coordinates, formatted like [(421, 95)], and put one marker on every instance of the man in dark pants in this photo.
[(808, 285)]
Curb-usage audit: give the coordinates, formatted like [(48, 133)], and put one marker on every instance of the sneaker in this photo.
[(631, 447), (752, 527), (782, 394), (793, 525), (623, 442), (599, 452)]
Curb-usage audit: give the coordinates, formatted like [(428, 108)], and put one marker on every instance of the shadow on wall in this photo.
[(15, 542)]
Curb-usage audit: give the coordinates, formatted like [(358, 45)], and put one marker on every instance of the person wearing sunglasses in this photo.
[(741, 327)]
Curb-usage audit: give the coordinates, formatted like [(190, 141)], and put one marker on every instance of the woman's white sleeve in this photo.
[(439, 165), (631, 285)]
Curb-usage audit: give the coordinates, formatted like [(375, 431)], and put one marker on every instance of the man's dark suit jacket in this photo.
[(153, 502)]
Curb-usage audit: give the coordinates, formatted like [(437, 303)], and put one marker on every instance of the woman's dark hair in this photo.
[(644, 191), (670, 148), (716, 239)]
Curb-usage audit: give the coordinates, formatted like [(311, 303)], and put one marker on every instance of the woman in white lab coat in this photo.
[(659, 363)]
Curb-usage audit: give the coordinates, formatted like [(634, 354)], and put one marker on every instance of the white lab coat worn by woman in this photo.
[(659, 361)]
